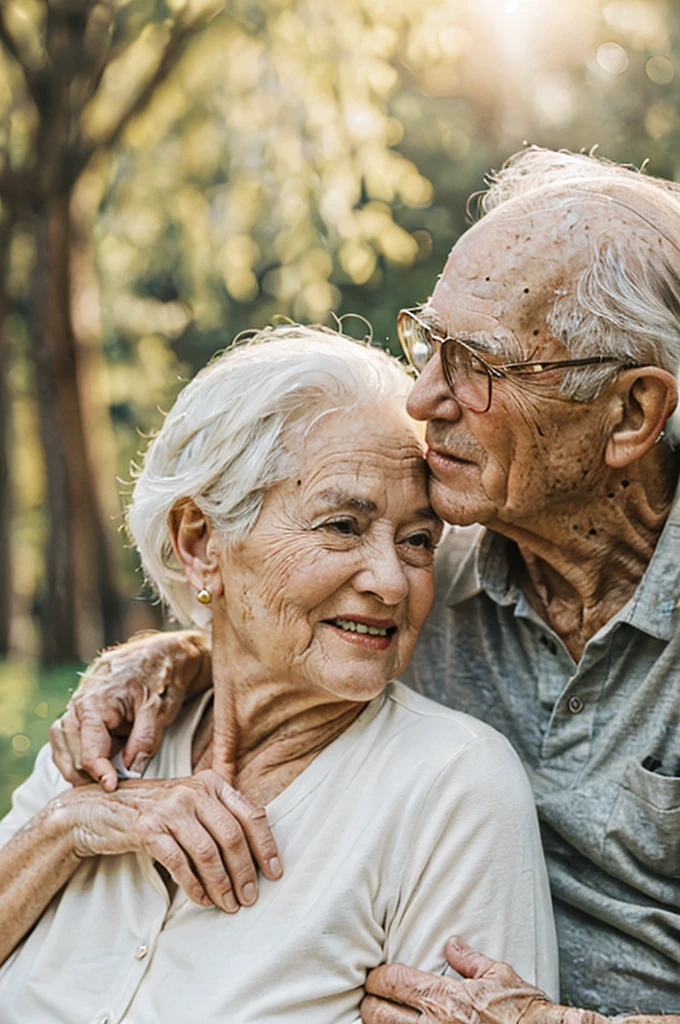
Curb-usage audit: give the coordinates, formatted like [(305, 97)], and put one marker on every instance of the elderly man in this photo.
[(547, 358)]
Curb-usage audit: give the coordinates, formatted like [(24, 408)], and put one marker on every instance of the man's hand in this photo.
[(491, 994), (206, 834), (125, 700)]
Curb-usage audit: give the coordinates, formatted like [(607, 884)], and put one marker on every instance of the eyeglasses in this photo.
[(470, 377)]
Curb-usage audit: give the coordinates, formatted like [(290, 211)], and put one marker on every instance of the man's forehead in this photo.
[(572, 215), (508, 269)]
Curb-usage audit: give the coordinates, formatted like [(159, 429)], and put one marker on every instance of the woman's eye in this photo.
[(346, 527), (420, 540)]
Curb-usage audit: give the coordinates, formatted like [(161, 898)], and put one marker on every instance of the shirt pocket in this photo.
[(642, 840)]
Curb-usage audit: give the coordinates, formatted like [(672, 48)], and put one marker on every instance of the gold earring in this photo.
[(204, 596)]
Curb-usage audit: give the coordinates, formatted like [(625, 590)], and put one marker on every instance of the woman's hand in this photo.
[(199, 828), (126, 698)]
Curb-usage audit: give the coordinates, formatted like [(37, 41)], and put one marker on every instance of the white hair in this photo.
[(236, 430), (626, 302)]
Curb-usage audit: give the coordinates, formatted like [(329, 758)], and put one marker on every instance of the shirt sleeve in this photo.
[(44, 782), (475, 869)]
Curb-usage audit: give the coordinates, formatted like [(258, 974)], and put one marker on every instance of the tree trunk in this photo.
[(56, 607), (5, 482), (87, 589)]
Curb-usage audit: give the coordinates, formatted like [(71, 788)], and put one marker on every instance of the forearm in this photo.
[(34, 865), (669, 1018), (553, 1014)]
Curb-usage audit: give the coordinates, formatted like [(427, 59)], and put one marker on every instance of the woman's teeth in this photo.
[(359, 627)]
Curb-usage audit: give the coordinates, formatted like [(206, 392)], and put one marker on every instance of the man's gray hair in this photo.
[(626, 303), (237, 429)]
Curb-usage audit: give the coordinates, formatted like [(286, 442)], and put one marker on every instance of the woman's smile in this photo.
[(374, 634)]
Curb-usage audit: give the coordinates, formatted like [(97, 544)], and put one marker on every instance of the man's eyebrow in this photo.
[(481, 340), (338, 498)]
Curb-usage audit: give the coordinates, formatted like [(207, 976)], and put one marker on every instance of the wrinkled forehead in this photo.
[(510, 266)]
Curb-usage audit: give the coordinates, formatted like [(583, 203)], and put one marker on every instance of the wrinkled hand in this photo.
[(206, 834), (491, 994), (125, 699)]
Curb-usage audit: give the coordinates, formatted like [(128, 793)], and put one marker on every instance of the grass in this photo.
[(30, 700)]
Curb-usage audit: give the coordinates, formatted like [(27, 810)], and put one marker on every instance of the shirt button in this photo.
[(103, 1018), (141, 952), (575, 705)]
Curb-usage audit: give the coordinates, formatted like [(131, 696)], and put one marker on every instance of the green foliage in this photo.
[(29, 701)]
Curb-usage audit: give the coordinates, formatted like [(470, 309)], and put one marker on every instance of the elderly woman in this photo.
[(284, 501)]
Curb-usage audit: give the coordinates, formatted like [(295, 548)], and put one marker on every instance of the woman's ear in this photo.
[(196, 546), (645, 398)]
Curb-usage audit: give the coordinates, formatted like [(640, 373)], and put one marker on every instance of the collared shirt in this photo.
[(601, 743), (415, 823)]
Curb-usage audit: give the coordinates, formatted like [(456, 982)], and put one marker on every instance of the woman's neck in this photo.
[(262, 734)]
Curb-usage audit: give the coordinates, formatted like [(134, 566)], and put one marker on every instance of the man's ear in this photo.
[(196, 546), (645, 397)]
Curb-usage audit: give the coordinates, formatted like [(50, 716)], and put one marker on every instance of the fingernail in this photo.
[(229, 902), (274, 865), (249, 893), (139, 764)]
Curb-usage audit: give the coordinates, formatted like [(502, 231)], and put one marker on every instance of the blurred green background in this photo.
[(174, 171)]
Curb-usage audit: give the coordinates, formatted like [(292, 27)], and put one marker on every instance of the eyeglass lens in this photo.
[(464, 373)]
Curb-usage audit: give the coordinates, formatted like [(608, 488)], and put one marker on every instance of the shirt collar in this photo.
[(486, 564)]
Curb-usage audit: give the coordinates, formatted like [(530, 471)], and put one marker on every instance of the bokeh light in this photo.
[(612, 58), (660, 70)]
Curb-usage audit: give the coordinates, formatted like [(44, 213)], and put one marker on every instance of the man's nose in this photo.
[(431, 397)]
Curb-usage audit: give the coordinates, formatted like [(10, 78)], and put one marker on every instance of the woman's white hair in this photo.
[(236, 429), (626, 303)]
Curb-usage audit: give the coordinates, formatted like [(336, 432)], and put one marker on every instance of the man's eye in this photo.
[(476, 365)]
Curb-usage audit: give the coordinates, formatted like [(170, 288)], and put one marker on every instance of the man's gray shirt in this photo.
[(601, 743)]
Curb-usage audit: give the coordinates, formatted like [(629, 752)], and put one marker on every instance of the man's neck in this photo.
[(581, 564)]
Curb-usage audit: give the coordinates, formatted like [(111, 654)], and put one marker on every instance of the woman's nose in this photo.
[(384, 575), (431, 397)]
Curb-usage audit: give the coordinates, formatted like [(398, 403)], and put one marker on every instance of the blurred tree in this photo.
[(64, 50)]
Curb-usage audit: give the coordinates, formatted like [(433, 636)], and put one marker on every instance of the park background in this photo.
[(175, 171)]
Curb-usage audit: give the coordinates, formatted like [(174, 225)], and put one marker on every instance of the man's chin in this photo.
[(459, 508)]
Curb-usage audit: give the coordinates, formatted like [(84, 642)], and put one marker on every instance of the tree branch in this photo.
[(9, 43), (174, 50)]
